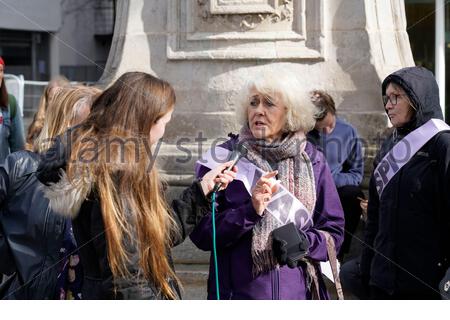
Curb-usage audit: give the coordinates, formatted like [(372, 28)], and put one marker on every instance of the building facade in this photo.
[(45, 38)]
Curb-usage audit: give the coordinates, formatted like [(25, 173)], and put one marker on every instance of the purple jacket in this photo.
[(234, 222)]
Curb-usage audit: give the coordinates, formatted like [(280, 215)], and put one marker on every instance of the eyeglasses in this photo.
[(392, 98)]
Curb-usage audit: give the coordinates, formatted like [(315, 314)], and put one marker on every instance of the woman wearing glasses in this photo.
[(407, 239)]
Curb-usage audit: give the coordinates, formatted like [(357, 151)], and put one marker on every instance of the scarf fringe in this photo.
[(263, 261)]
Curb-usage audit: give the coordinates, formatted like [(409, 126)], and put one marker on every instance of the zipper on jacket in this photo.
[(272, 282), (275, 277)]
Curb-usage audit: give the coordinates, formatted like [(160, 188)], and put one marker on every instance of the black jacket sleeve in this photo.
[(7, 265), (3, 243), (188, 210), (442, 152), (51, 162), (4, 184), (370, 231), (55, 158)]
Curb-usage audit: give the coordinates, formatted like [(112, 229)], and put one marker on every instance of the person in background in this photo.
[(38, 120), (341, 146), (11, 122), (68, 107), (406, 248), (32, 232)]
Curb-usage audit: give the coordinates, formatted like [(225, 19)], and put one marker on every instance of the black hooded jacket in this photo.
[(407, 237)]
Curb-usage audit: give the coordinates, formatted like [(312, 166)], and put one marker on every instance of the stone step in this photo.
[(193, 278), (187, 253), (192, 273)]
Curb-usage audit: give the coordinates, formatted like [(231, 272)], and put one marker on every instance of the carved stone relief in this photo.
[(244, 29), (241, 6), (245, 15)]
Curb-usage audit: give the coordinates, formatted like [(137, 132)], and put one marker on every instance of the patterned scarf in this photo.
[(295, 171)]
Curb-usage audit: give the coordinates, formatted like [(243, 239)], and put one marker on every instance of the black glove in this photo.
[(289, 245)]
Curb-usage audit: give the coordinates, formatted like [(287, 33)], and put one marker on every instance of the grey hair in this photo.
[(300, 111)]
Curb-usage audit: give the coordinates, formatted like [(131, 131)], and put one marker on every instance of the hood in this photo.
[(421, 87)]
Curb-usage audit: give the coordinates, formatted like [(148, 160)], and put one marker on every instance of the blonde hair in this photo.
[(299, 109), (38, 120), (62, 110), (128, 184)]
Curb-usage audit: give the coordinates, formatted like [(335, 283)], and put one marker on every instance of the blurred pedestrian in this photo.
[(38, 120), (32, 231), (11, 122), (341, 146)]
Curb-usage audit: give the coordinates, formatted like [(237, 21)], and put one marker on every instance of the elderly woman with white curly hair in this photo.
[(262, 252)]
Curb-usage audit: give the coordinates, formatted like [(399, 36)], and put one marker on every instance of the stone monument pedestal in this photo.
[(208, 49)]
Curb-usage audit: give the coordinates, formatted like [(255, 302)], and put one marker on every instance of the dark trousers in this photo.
[(352, 213), (353, 282)]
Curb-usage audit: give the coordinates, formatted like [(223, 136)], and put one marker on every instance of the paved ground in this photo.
[(193, 278)]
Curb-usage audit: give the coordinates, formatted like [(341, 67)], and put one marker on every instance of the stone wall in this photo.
[(208, 49)]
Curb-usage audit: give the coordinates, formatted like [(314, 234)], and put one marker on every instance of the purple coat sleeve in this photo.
[(231, 222), (328, 214)]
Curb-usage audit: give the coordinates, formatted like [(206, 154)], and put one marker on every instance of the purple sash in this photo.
[(404, 150), (283, 206)]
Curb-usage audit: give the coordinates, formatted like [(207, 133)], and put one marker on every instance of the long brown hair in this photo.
[(133, 207), (4, 99)]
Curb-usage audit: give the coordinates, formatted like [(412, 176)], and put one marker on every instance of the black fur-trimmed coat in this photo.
[(83, 205)]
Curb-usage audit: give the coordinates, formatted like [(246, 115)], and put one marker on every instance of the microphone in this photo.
[(239, 151)]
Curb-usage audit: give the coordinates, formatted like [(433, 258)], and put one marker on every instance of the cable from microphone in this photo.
[(239, 151)]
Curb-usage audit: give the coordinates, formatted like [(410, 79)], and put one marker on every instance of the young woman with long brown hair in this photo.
[(121, 221)]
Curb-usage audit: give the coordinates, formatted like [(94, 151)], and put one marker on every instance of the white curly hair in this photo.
[(300, 110)]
